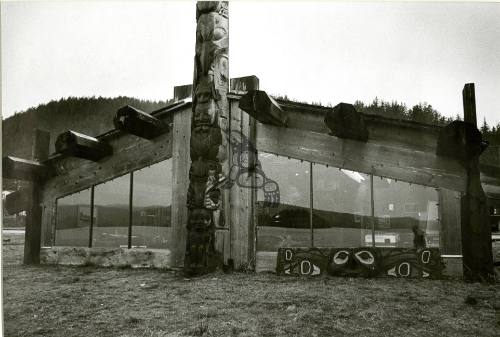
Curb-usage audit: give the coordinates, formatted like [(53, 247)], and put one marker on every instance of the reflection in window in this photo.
[(111, 213), (287, 225), (152, 200), (73, 220), (342, 207), (400, 207)]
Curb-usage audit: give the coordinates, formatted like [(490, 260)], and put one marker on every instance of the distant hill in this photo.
[(89, 115)]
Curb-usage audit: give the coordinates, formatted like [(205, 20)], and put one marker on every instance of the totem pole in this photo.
[(208, 147)]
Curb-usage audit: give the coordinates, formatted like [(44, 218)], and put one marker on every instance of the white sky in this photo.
[(317, 52)]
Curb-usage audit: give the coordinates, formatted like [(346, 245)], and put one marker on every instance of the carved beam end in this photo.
[(75, 144), (22, 169), (344, 121), (263, 108), (244, 84), (139, 123), (461, 141), (183, 91), (18, 201)]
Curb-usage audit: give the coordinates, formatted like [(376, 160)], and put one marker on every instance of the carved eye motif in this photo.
[(365, 257), (270, 186), (341, 257), (425, 257), (219, 33)]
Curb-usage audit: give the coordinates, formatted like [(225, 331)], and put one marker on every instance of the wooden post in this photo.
[(208, 146), (476, 232), (33, 230), (242, 196)]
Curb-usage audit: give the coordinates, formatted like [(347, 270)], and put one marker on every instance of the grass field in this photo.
[(85, 301)]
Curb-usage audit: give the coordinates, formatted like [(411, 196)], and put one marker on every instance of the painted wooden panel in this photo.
[(362, 261)]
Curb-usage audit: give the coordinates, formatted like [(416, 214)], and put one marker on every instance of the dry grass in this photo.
[(80, 301)]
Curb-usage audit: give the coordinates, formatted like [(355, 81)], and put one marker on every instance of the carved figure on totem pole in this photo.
[(208, 149)]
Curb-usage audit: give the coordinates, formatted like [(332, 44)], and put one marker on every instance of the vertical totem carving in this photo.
[(208, 148)]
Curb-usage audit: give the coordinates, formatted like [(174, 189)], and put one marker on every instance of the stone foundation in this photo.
[(106, 257)]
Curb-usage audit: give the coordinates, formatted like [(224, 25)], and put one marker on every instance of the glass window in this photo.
[(342, 207), (111, 213), (152, 200), (73, 220), (287, 224), (406, 215)]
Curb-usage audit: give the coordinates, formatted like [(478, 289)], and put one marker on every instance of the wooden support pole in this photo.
[(33, 229), (263, 108), (469, 102), (476, 231), (75, 144), (139, 123)]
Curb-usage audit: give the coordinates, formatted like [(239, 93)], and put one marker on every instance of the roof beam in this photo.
[(18, 201), (79, 145), (263, 108), (22, 169), (139, 123)]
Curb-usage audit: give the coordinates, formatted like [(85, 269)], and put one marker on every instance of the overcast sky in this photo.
[(317, 52)]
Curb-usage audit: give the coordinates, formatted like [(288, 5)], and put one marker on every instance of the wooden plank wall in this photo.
[(75, 174), (450, 222)]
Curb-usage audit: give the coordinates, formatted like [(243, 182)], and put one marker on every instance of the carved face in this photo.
[(212, 38), (200, 218)]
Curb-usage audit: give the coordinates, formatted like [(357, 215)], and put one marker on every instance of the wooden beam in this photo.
[(139, 123), (79, 145), (22, 169), (263, 108), (18, 201), (41, 145), (345, 121), (460, 140), (244, 84), (182, 91), (418, 167)]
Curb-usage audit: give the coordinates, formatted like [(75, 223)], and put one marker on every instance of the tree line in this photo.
[(424, 113), (94, 116)]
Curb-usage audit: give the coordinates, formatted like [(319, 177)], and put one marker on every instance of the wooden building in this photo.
[(291, 175), (134, 197)]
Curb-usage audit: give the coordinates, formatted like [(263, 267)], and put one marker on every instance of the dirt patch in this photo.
[(78, 301)]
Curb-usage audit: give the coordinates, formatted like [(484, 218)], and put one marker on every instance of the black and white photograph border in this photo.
[(327, 169)]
